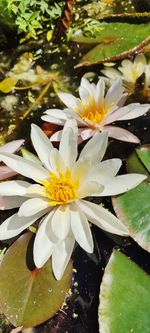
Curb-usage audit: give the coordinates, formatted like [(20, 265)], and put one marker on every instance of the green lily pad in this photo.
[(133, 207), (139, 161), (113, 41), (29, 297), (124, 297)]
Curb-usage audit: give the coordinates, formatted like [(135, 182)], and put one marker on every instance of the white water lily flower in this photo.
[(129, 70), (61, 182), (95, 111)]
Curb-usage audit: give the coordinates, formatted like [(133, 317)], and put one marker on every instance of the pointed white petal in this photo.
[(56, 113), (123, 183), (74, 115), (24, 167), (89, 188), (60, 223), (56, 162), (99, 92), (11, 147), (53, 120), (41, 144), (33, 206), (114, 93), (69, 100), (121, 134), (68, 143), (11, 202), (15, 224), (127, 112), (95, 149), (61, 256), (56, 136), (86, 133), (81, 229), (44, 242), (14, 187), (105, 171), (102, 218), (112, 73)]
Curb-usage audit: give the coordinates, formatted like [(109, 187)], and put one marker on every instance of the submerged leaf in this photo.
[(29, 297), (113, 41), (124, 297)]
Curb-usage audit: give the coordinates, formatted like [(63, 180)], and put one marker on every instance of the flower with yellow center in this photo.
[(61, 182), (95, 110), (129, 70)]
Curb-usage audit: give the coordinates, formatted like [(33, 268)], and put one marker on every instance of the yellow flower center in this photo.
[(92, 112), (61, 189)]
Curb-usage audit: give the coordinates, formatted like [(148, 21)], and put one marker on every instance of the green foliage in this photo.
[(30, 16), (37, 295), (124, 298)]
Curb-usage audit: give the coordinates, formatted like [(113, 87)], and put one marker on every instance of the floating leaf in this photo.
[(8, 84), (124, 297), (113, 41), (29, 297), (139, 161), (144, 155)]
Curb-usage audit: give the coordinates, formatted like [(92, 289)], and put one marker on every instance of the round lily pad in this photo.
[(124, 297), (28, 296), (133, 207)]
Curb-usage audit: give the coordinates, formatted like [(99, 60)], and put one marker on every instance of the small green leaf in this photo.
[(144, 155), (124, 297), (29, 297)]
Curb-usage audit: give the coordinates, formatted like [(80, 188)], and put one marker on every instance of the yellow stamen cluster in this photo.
[(61, 189), (92, 112)]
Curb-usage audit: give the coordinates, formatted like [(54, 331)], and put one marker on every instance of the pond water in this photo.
[(41, 68)]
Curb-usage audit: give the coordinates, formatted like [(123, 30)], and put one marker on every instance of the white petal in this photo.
[(127, 112), (56, 136), (69, 100), (112, 73), (56, 113), (33, 206), (105, 171), (102, 218), (68, 143), (15, 224), (132, 111), (6, 172), (11, 202), (56, 162), (89, 188), (14, 187), (99, 92), (61, 256), (44, 242), (11, 147), (29, 156), (24, 167), (114, 93), (121, 134), (123, 183), (60, 223), (81, 229), (53, 120), (41, 144), (36, 190), (72, 114), (95, 149), (86, 133)]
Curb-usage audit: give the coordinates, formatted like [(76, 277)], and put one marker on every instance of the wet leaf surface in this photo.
[(124, 297), (29, 296)]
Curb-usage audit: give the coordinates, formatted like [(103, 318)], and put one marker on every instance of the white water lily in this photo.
[(130, 71), (61, 182), (95, 111)]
